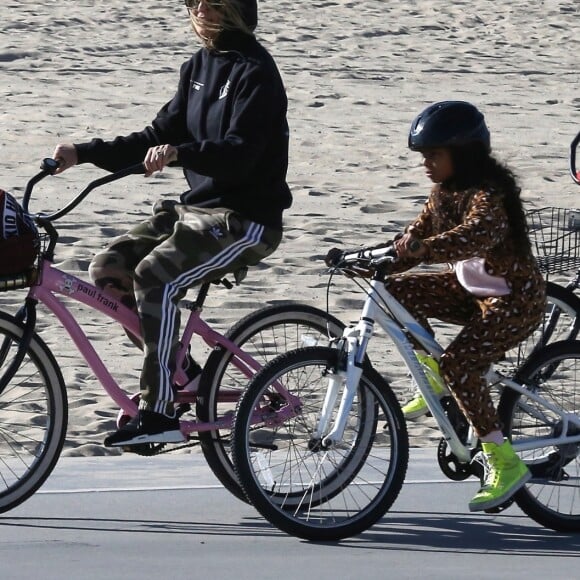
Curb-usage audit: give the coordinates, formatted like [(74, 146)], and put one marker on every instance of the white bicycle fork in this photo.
[(344, 380)]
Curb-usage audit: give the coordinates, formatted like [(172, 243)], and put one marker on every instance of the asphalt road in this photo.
[(167, 517)]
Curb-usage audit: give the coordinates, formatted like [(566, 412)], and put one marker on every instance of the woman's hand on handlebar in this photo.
[(408, 246), (158, 157), (66, 155)]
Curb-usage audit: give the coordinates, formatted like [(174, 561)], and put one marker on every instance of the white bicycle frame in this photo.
[(382, 307)]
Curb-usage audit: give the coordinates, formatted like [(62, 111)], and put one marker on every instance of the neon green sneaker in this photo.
[(506, 473), (417, 407)]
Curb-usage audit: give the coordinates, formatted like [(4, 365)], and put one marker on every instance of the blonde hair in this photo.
[(232, 19)]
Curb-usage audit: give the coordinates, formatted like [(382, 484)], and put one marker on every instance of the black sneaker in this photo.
[(146, 427), (192, 370)]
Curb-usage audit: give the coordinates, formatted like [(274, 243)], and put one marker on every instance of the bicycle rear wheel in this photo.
[(33, 416), (301, 487), (552, 497), (263, 335), (561, 322)]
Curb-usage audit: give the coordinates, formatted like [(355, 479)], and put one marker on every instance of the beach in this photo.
[(356, 74)]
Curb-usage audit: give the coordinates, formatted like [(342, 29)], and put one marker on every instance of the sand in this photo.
[(356, 74)]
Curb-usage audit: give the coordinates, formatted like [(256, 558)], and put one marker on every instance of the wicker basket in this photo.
[(555, 235)]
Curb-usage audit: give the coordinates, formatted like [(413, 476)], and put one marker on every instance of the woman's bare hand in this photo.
[(66, 155), (158, 157)]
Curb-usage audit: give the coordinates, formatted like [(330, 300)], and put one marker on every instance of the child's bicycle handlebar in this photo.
[(367, 258)]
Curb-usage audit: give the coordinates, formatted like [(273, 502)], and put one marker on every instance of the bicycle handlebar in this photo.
[(375, 256), (573, 171), (50, 166), (342, 259)]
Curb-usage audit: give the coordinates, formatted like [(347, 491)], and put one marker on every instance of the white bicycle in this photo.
[(320, 445)]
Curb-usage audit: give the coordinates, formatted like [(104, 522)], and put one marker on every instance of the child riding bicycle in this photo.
[(226, 126), (473, 220)]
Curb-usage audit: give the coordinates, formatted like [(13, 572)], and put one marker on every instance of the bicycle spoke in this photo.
[(299, 485), (262, 335), (32, 418), (552, 497)]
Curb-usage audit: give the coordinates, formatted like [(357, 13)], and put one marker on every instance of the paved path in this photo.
[(167, 517)]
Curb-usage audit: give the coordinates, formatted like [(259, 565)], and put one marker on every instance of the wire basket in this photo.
[(555, 237)]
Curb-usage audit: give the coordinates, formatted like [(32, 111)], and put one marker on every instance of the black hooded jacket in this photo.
[(228, 123)]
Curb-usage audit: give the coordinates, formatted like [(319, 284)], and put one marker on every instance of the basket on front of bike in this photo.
[(555, 237), (28, 277)]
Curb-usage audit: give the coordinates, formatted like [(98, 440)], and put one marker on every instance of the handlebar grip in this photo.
[(334, 257), (338, 257), (49, 165)]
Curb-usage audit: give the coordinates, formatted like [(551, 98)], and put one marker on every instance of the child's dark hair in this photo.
[(476, 168)]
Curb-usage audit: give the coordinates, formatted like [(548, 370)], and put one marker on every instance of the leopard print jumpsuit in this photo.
[(459, 226)]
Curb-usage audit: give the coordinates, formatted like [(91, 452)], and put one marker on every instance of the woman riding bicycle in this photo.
[(474, 221), (226, 126)]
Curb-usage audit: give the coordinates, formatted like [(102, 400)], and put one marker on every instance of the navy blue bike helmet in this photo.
[(448, 124)]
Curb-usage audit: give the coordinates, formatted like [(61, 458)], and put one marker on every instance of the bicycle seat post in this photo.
[(202, 295)]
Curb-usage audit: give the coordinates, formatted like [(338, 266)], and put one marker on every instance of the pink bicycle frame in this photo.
[(54, 281)]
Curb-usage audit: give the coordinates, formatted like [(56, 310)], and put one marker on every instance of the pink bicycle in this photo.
[(33, 397)]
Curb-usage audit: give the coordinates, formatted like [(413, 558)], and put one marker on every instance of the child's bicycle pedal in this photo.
[(500, 508)]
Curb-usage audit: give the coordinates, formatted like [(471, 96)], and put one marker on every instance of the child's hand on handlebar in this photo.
[(66, 155), (335, 258), (408, 246)]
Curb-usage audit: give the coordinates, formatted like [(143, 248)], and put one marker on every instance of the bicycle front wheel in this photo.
[(552, 497), (262, 334), (292, 479), (33, 416)]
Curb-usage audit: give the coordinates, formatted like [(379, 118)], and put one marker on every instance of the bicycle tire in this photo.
[(563, 315), (298, 486), (33, 416), (263, 334), (561, 322), (551, 496)]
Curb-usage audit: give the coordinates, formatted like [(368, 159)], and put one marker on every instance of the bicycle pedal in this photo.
[(144, 449), (500, 508), (182, 409)]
